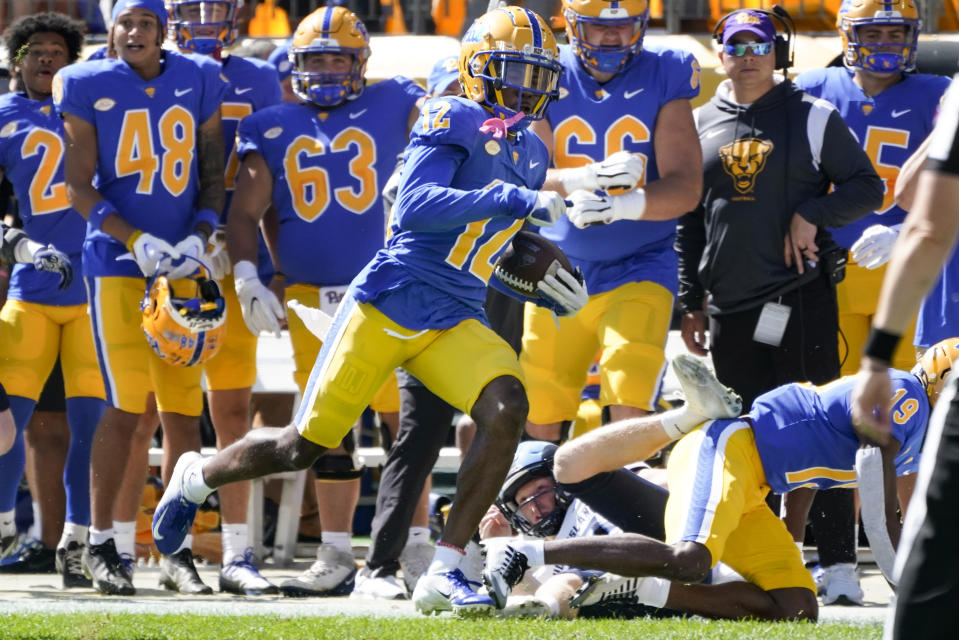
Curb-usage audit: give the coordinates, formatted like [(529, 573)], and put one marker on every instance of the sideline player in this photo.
[(45, 317), (622, 127), (465, 191), (156, 114)]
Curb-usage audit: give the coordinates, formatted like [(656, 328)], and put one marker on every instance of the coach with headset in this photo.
[(756, 249)]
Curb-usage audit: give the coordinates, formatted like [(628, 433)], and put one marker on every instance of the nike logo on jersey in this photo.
[(533, 165), (240, 92), (357, 114), (630, 94), (182, 92), (896, 114)]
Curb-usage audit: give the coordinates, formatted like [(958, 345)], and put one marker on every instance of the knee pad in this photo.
[(337, 468)]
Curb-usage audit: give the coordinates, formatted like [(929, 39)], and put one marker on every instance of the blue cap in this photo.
[(156, 6), (444, 72), (751, 21), (280, 58)]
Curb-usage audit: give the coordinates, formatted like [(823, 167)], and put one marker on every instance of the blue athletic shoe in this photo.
[(174, 513), (450, 591)]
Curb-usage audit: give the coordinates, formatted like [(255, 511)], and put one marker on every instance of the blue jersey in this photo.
[(329, 167), (254, 85), (805, 437), (591, 121), (146, 144), (939, 313), (890, 126), (463, 196), (31, 156)]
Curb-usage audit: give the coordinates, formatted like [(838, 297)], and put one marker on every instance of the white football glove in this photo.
[(622, 170), (874, 246), (191, 250), (149, 251), (317, 321), (549, 207), (261, 310), (589, 208), (218, 258), (565, 290)]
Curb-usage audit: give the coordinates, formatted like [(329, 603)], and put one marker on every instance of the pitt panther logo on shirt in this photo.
[(743, 160)]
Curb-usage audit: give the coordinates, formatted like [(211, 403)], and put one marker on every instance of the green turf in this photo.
[(150, 627)]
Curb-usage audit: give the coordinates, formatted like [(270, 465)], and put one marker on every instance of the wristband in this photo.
[(99, 213), (208, 216), (133, 238), (881, 345)]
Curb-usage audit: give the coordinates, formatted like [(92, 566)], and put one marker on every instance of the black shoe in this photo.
[(178, 573), (70, 566), (30, 557), (102, 565)]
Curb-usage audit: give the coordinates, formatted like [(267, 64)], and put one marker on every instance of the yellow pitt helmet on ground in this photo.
[(203, 26), (934, 366), (507, 49), (605, 59), (330, 30), (184, 331), (880, 57)]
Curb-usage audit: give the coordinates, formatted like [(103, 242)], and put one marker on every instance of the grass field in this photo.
[(150, 627)]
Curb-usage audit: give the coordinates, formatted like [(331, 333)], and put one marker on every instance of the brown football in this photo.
[(527, 259)]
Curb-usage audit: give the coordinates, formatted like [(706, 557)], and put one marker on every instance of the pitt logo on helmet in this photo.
[(509, 63), (184, 331)]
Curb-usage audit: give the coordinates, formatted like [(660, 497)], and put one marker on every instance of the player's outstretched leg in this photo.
[(175, 512), (505, 567), (450, 591), (705, 395)]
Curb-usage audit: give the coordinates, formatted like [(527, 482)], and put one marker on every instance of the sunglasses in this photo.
[(757, 48)]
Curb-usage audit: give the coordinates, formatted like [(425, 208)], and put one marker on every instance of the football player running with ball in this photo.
[(469, 184)]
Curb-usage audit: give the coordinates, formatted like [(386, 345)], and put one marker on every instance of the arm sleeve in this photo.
[(844, 163), (690, 244), (425, 202), (682, 77)]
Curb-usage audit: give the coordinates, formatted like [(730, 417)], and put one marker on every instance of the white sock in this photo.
[(339, 539), (9, 520), (194, 487), (235, 541), (446, 558), (532, 549), (125, 537), (678, 422), (550, 601), (418, 535), (35, 531), (72, 532), (654, 592), (99, 537), (187, 544)]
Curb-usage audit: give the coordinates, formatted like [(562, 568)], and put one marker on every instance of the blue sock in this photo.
[(14, 461), (83, 414)]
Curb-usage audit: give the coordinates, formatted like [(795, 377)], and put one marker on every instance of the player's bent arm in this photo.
[(212, 195), (795, 510), (609, 448), (270, 226), (254, 188), (905, 485), (80, 165), (679, 159)]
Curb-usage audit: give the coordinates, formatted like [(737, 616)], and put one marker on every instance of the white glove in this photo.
[(149, 251), (315, 320), (549, 207), (622, 170), (261, 310), (565, 290), (589, 208), (580, 178), (191, 250), (218, 258), (874, 246)]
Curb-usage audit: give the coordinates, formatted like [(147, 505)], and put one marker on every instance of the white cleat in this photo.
[(607, 588), (525, 607), (840, 585), (705, 395), (373, 585), (449, 591), (333, 574)]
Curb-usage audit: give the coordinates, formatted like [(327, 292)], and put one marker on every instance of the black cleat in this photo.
[(178, 573), (102, 565), (70, 565), (30, 557)]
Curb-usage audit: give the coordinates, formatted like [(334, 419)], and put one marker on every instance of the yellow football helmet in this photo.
[(203, 26), (330, 30), (886, 56), (605, 59), (510, 48), (934, 366), (184, 331)]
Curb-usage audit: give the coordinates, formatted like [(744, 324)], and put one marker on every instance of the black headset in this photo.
[(783, 46)]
